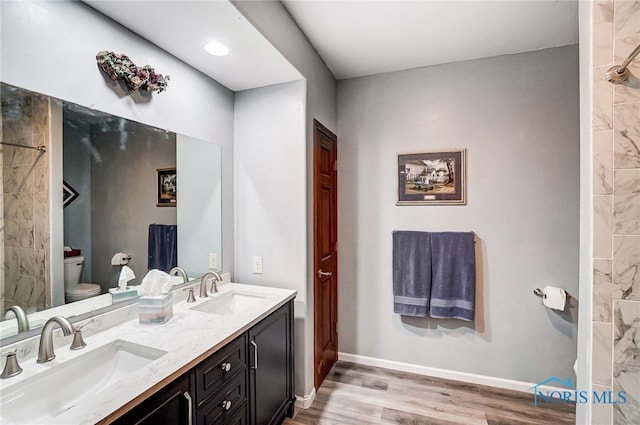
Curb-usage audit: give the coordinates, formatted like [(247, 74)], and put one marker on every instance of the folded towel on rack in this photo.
[(411, 273), (453, 285)]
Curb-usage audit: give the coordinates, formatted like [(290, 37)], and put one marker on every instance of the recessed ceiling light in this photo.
[(217, 48)]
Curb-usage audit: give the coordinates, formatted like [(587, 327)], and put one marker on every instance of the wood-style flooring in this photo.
[(359, 395)]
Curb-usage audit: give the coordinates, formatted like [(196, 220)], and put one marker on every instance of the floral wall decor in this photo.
[(119, 66)]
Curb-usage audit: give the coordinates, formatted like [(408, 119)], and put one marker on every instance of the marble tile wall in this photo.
[(25, 202), (616, 204)]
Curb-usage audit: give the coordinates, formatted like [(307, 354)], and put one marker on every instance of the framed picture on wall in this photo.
[(166, 182), (69, 194), (432, 178)]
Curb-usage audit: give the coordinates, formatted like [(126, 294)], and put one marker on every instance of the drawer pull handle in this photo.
[(226, 404), (255, 354), (226, 367), (189, 407)]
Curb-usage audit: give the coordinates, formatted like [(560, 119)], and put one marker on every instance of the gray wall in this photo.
[(76, 172), (123, 190), (274, 22), (270, 193), (517, 116)]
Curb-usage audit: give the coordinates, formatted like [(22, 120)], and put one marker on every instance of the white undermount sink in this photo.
[(50, 393), (231, 302)]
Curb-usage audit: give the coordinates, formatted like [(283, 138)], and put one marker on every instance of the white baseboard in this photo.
[(446, 374), (304, 402)]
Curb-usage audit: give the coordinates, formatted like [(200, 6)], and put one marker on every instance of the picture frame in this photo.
[(432, 178), (166, 187), (69, 194)]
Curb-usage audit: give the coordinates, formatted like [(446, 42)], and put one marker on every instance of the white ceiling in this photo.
[(182, 28), (357, 38)]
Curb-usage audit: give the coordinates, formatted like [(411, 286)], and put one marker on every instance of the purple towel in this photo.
[(453, 275)]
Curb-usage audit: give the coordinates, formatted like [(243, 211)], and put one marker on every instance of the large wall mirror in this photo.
[(103, 185)]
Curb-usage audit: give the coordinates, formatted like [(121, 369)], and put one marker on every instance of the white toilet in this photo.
[(73, 289)]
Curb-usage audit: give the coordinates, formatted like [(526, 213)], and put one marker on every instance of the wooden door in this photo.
[(325, 228)]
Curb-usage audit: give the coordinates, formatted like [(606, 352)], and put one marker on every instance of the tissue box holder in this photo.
[(155, 310), (118, 295)]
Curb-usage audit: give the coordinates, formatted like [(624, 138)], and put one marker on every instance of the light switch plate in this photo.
[(213, 260), (257, 265)]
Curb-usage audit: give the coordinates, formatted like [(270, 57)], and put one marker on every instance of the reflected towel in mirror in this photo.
[(163, 247)]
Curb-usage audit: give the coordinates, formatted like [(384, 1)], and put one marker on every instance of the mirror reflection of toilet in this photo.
[(73, 289)]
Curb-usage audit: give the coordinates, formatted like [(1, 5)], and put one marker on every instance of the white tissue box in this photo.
[(118, 294), (154, 309)]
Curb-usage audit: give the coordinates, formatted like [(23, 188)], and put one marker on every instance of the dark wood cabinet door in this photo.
[(173, 405), (271, 367)]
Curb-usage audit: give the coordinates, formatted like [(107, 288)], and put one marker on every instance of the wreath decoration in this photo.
[(119, 66)]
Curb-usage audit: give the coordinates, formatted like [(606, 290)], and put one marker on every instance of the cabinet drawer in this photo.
[(169, 406), (212, 374), (223, 405), (240, 418)]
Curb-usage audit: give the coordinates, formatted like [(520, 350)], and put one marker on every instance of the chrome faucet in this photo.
[(214, 286), (45, 350), (21, 317), (182, 273)]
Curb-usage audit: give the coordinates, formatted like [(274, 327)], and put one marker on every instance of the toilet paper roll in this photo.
[(554, 297)]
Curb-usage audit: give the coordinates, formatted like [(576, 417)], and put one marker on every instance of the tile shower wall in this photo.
[(616, 203), (25, 202)]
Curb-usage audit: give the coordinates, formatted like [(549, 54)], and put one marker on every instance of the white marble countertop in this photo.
[(189, 337)]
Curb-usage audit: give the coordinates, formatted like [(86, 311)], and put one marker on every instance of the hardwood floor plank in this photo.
[(493, 419), (357, 378), (397, 417), (526, 397), (361, 395), (418, 403), (388, 374), (516, 408), (334, 408)]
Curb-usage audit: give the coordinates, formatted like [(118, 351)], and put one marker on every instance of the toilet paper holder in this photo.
[(120, 259), (538, 292)]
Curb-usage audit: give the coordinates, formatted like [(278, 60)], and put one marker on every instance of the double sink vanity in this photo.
[(223, 359)]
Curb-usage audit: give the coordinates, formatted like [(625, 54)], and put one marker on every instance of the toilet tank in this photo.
[(72, 270)]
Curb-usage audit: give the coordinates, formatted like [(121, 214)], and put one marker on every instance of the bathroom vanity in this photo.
[(248, 381), (225, 359)]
